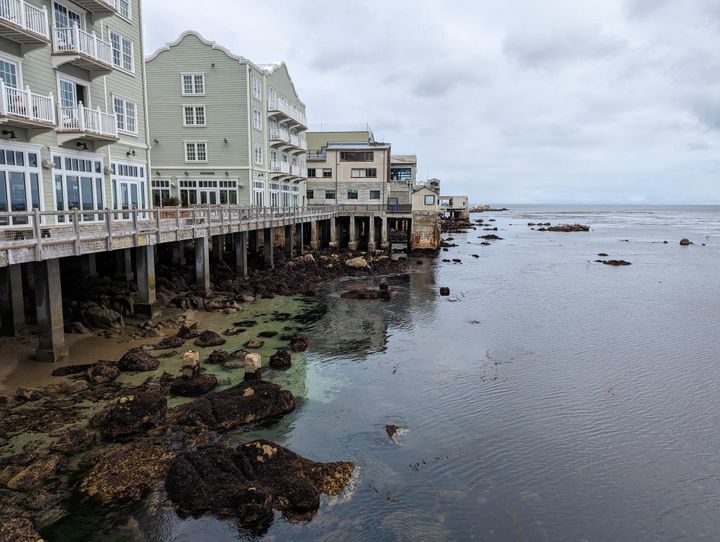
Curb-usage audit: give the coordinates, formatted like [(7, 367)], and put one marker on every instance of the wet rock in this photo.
[(186, 333), (444, 291), (133, 414), (568, 228), (245, 323), (74, 441), (357, 263), (169, 343), (194, 386), (686, 242), (391, 430), (77, 328), (138, 360), (361, 294), (233, 331), (491, 237), (603, 255), (267, 334), (299, 343), (476, 255), (485, 244), (208, 339), (103, 372), (28, 394), (614, 263), (103, 317), (281, 359), (71, 370), (218, 357), (252, 363), (19, 529), (126, 473), (34, 475), (254, 344), (247, 403)]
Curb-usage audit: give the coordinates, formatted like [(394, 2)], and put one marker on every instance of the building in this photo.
[(224, 130), (425, 218), (72, 108), (403, 169), (456, 207)]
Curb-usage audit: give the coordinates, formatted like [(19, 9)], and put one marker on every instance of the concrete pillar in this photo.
[(12, 302), (241, 254), (51, 328), (384, 241), (202, 265), (268, 238), (301, 238), (218, 246), (289, 234), (314, 235), (123, 260), (145, 271), (178, 254), (352, 243), (253, 241), (371, 234), (333, 233), (88, 264)]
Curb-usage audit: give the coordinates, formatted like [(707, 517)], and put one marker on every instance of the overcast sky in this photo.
[(509, 101)]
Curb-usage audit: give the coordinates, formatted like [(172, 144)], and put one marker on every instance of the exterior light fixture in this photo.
[(82, 145), (10, 133)]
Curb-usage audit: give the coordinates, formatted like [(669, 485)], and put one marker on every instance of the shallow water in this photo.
[(548, 398)]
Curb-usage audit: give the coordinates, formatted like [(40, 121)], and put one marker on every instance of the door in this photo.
[(71, 95), (208, 196)]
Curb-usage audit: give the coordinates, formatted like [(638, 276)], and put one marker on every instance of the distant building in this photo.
[(403, 170), (457, 207)]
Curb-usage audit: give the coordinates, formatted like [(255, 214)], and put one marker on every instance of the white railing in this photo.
[(293, 113), (76, 40), (297, 170), (279, 135), (25, 16), (280, 167), (82, 119), (26, 104)]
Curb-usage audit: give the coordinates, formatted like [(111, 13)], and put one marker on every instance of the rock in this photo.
[(19, 529), (267, 334), (133, 414), (476, 255), (444, 291), (77, 328), (247, 299), (218, 357), (252, 364), (357, 263), (34, 475), (28, 394), (169, 343), (126, 473), (281, 359), (194, 386), (391, 430), (71, 370), (614, 263), (103, 372), (309, 258), (686, 242), (567, 228), (299, 343), (138, 360), (602, 255), (208, 339), (485, 244), (74, 441), (247, 403), (491, 237), (254, 344), (361, 294), (187, 333), (103, 318)]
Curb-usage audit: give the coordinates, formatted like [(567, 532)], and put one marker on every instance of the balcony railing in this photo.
[(83, 119), (26, 16), (26, 104), (279, 135), (280, 167), (76, 40), (283, 107)]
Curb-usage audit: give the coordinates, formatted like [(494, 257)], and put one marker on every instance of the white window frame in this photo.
[(194, 75), (17, 62), (256, 86), (26, 169), (195, 108), (127, 17), (122, 38), (82, 13), (257, 120), (258, 154), (75, 155), (140, 181), (125, 101), (195, 143)]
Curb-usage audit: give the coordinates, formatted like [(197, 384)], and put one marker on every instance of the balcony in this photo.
[(291, 142), (23, 23), (98, 8), (25, 109), (280, 167), (287, 114), (85, 50), (80, 122)]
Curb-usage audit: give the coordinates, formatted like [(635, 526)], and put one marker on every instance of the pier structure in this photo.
[(31, 254)]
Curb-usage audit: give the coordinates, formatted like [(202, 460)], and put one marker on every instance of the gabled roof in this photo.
[(273, 67)]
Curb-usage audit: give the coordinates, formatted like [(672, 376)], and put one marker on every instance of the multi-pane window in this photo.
[(311, 172), (362, 173), (257, 120), (356, 156), (374, 194), (327, 173), (123, 7), (126, 114), (310, 194), (196, 151), (194, 115), (258, 154), (256, 88), (401, 174), (122, 51), (352, 194), (193, 84), (9, 72), (128, 186), (161, 193), (429, 200), (20, 187), (78, 185), (329, 194)]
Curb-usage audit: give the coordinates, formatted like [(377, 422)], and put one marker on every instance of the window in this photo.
[(66, 17), (356, 156), (311, 173), (362, 173), (429, 200), (208, 192), (374, 194), (352, 194), (327, 173), (123, 7), (20, 187), (256, 88), (9, 71), (194, 115), (78, 185), (329, 194), (258, 154), (126, 115), (196, 151), (128, 186), (161, 193), (122, 52), (193, 84), (401, 174), (257, 120), (310, 194), (259, 192)]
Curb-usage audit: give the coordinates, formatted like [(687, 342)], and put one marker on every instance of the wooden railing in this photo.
[(35, 236)]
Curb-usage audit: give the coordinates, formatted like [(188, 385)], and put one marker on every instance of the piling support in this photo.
[(268, 239), (145, 272), (202, 265), (352, 242), (241, 268), (333, 233), (51, 328), (371, 233), (314, 235)]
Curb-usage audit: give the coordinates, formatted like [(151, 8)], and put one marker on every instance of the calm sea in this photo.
[(548, 398)]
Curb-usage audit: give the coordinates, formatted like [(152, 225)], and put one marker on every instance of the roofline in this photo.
[(281, 64)]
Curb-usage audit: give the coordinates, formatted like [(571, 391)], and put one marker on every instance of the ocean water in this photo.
[(548, 398)]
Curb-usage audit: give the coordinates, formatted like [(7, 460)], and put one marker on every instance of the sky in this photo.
[(508, 101)]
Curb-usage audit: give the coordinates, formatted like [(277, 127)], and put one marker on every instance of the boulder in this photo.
[(267, 334), (218, 357), (444, 291), (281, 359), (686, 242), (19, 529), (254, 344), (103, 372), (357, 263), (77, 328), (208, 339), (567, 228), (126, 473), (299, 343), (103, 318), (74, 441), (193, 386), (169, 343), (34, 475), (138, 360), (188, 332), (28, 394), (133, 414), (491, 237), (614, 263)]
